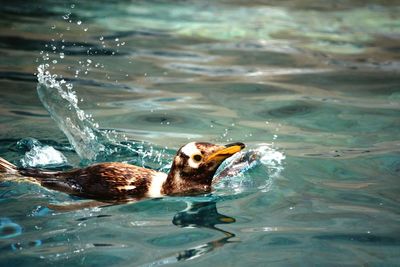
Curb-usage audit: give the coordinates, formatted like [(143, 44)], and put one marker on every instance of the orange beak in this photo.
[(225, 152)]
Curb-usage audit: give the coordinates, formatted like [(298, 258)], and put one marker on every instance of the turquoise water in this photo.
[(312, 88)]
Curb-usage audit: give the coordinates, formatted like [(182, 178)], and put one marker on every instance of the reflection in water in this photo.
[(201, 215)]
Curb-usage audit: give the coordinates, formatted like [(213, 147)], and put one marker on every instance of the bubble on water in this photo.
[(62, 55), (9, 229), (101, 38), (54, 61), (66, 16), (73, 5)]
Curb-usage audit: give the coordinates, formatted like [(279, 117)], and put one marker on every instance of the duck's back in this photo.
[(111, 180)]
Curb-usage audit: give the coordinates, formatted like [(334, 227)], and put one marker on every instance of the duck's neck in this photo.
[(180, 183)]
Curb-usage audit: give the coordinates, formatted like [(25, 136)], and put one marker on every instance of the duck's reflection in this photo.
[(203, 215)]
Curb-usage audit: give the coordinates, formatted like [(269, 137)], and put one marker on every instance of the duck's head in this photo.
[(195, 165)]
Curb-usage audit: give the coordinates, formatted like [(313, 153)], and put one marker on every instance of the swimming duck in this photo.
[(192, 172)]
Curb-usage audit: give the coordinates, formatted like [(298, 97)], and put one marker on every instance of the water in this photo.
[(312, 89)]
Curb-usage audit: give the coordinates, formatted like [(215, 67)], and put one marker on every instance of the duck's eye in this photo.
[(197, 157)]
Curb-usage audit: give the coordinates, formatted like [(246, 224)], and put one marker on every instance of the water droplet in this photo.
[(79, 22), (123, 43), (53, 27), (116, 39), (54, 61), (101, 38), (66, 16), (73, 5), (62, 55), (85, 29), (88, 61)]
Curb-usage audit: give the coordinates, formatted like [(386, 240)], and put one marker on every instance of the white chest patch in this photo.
[(156, 185)]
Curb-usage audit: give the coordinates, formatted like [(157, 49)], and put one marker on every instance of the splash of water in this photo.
[(40, 155), (234, 174), (61, 102), (83, 133)]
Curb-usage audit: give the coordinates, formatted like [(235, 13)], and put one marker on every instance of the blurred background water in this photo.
[(312, 87)]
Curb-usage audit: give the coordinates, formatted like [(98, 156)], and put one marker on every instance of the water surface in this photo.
[(312, 88)]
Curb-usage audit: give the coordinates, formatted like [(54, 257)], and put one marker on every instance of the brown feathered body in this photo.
[(112, 180), (192, 171)]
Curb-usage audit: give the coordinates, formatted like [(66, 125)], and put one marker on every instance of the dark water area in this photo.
[(313, 88)]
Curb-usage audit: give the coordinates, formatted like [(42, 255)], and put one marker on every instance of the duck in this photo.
[(192, 172)]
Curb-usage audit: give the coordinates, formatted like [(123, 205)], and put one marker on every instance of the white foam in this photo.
[(40, 156)]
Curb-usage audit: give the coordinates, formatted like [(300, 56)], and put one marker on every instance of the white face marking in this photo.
[(190, 150), (156, 185)]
